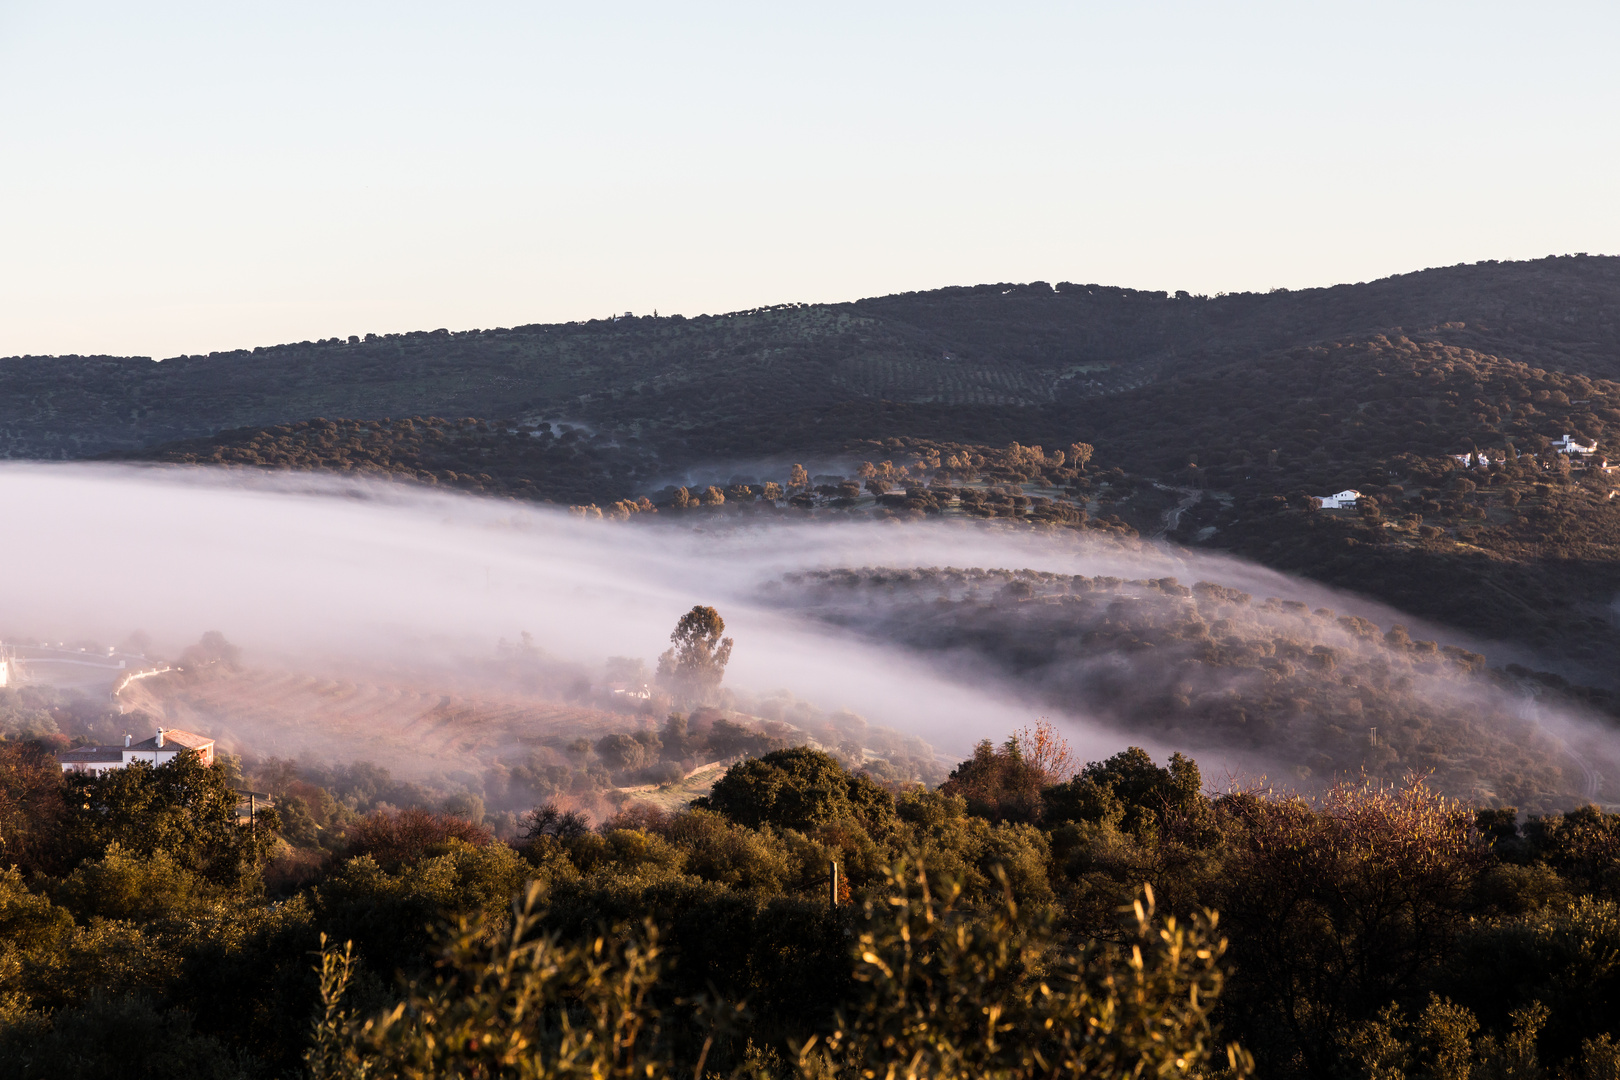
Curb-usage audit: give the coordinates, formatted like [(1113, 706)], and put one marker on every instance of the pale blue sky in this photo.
[(187, 177)]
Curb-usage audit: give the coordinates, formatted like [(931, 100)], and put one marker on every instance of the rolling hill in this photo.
[(1249, 404), (973, 360)]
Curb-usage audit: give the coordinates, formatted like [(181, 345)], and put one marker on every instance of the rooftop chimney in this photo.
[(126, 740), (160, 738)]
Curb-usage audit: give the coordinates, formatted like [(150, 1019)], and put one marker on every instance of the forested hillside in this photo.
[(981, 363), (1245, 406)]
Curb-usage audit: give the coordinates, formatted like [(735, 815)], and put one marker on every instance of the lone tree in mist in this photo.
[(694, 667)]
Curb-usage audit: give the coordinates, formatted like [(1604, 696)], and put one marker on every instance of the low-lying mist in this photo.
[(1315, 694), (309, 573)]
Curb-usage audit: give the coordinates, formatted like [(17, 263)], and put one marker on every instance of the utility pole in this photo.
[(833, 877)]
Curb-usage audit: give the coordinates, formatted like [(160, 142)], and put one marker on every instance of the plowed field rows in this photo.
[(409, 727)]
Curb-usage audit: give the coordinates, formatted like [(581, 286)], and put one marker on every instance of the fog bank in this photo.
[(313, 570)]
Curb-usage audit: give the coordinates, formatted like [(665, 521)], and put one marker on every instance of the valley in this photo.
[(1343, 560)]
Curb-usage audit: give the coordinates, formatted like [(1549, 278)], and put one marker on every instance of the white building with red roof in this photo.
[(160, 749)]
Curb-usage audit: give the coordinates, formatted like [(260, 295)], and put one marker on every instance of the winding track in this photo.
[(1190, 497), (1591, 779)]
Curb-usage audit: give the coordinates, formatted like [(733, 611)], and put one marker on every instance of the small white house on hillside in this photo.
[(1483, 457), (161, 749), (1569, 444), (1344, 500)]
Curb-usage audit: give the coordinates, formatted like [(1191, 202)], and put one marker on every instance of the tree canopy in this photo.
[(693, 668), (799, 788)]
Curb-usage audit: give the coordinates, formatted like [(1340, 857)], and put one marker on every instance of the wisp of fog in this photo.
[(310, 569)]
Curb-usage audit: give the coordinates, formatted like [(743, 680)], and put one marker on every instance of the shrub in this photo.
[(954, 995), (1566, 957), (1129, 787), (999, 784), (121, 885), (630, 851), (949, 995), (394, 837), (717, 849), (799, 789)]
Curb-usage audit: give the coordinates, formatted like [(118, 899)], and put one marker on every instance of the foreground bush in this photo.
[(952, 994), (949, 993)]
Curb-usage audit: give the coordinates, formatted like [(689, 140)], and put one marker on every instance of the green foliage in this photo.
[(123, 885), (1127, 788), (799, 788), (1373, 930), (47, 961), (182, 807), (396, 837), (719, 850), (1340, 905), (1565, 956), (998, 783), (1582, 845), (1445, 1043), (981, 858), (953, 994), (947, 995), (525, 1005), (27, 918), (391, 914), (637, 852), (956, 995)]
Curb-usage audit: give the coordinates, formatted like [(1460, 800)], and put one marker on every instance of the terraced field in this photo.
[(944, 381), (414, 727)]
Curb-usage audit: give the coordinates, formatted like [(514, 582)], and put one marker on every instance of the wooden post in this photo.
[(834, 880), (253, 807)]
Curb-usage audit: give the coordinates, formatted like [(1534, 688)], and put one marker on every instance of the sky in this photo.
[(180, 178)]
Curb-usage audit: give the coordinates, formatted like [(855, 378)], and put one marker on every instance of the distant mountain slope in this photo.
[(1251, 402), (976, 360)]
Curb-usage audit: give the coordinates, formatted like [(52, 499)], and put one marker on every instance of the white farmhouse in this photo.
[(161, 749), (1569, 444), (1344, 500)]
